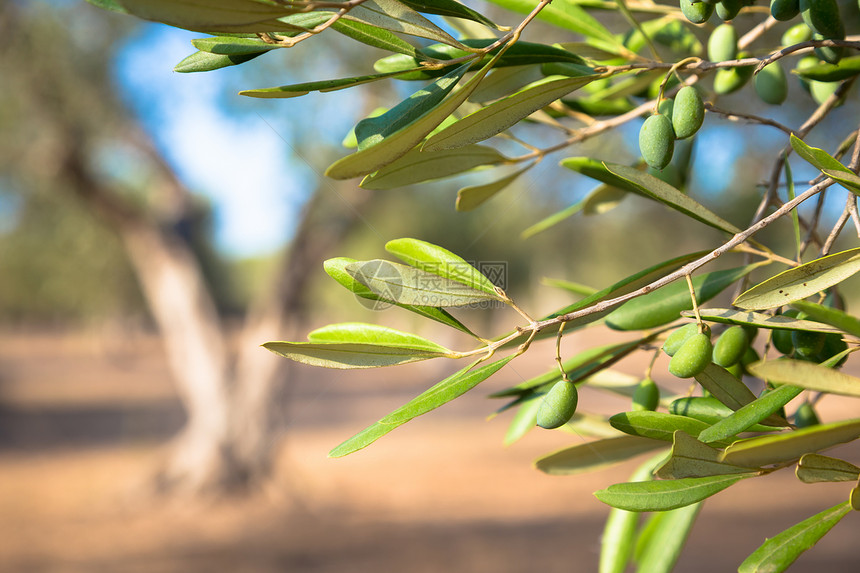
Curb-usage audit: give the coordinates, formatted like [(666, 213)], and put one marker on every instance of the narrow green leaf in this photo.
[(848, 180), (666, 494), (232, 45), (448, 389), (832, 316), (815, 468), (206, 62), (563, 14), (450, 8), (589, 456), (374, 36), (618, 539), (807, 375), (779, 552), (817, 157), (497, 117), (201, 16), (336, 269), (397, 17), (471, 197), (442, 262), (295, 90), (601, 199), (398, 144), (372, 130), (691, 458), (725, 387), (709, 410), (776, 322), (665, 305), (656, 425), (667, 538), (787, 446), (795, 218), (824, 72), (418, 166), (357, 345), (801, 282), (759, 409), (660, 191)]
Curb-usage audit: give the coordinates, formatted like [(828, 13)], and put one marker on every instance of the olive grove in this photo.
[(499, 87)]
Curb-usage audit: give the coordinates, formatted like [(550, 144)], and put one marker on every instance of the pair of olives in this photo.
[(691, 349), (699, 11), (676, 119)]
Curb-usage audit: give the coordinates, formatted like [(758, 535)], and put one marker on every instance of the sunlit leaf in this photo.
[(417, 166), (725, 387), (232, 45), (665, 305), (504, 113), (660, 191), (407, 285), (471, 197), (564, 14), (775, 322), (656, 425), (780, 551), (372, 130), (448, 389), (358, 345), (691, 458), (808, 375), (206, 62), (801, 282), (665, 494), (823, 72), (848, 180), (589, 456), (787, 446), (374, 36), (750, 414), (336, 269), (815, 468), (817, 157), (442, 262), (709, 410)]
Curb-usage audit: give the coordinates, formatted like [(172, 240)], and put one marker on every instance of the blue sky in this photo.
[(221, 144)]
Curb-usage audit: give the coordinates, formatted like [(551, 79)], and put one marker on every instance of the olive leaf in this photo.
[(229, 16), (802, 281), (801, 374), (666, 537), (590, 456), (418, 166), (815, 468), (771, 322), (665, 494), (471, 197)]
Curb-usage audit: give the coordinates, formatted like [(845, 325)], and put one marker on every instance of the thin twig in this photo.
[(735, 116)]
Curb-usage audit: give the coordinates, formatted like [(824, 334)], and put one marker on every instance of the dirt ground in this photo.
[(82, 423)]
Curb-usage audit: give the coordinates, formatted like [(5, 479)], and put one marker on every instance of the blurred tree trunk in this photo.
[(230, 437)]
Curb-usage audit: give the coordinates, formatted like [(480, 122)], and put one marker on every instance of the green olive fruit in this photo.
[(723, 43), (677, 339), (666, 107), (729, 80), (796, 34), (833, 345), (784, 10), (822, 17), (558, 405), (830, 54), (821, 91), (688, 113), (697, 12), (727, 9), (731, 346), (807, 345), (805, 416), (771, 84), (657, 141), (806, 62), (693, 356), (781, 340), (646, 396)]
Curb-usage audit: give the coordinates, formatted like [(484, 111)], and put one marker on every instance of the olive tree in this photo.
[(487, 93)]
